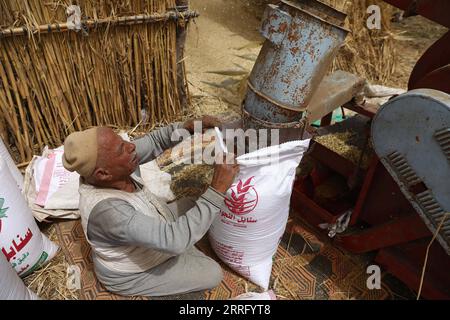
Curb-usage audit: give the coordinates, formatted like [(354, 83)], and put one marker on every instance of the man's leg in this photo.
[(193, 271), (189, 272)]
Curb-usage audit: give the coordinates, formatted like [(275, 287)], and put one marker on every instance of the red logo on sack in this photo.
[(244, 198)]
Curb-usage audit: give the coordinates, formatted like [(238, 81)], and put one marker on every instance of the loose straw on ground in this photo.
[(50, 282)]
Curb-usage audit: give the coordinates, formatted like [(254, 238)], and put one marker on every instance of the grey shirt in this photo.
[(114, 222)]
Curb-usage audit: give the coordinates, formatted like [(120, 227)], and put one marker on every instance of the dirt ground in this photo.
[(222, 46), (224, 42)]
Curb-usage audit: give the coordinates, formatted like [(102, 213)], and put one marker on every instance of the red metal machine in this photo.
[(382, 218)]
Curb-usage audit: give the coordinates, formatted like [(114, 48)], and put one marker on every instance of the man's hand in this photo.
[(224, 175), (208, 122)]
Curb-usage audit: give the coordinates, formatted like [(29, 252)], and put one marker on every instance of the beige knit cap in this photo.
[(80, 152)]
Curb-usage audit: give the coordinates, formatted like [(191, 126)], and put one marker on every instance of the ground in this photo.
[(221, 48), (414, 36)]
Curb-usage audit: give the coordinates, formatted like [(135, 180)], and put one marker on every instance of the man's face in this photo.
[(116, 155)]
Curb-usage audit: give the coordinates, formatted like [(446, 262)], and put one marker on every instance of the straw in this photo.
[(368, 53), (50, 282)]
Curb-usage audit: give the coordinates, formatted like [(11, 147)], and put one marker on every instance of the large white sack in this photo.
[(4, 153), (11, 286), (30, 192), (253, 218), (21, 241), (157, 181), (57, 188)]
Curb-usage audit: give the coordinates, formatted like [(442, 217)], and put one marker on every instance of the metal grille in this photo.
[(443, 138), (424, 202), (404, 170)]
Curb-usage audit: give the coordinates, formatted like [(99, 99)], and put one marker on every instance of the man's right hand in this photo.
[(224, 175)]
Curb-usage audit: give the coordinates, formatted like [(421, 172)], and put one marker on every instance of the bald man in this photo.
[(140, 244)]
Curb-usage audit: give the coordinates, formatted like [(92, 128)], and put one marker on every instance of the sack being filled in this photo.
[(11, 286), (255, 211)]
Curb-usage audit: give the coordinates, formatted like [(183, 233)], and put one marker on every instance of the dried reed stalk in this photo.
[(368, 53), (54, 84)]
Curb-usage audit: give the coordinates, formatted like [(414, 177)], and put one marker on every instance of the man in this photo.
[(141, 245)]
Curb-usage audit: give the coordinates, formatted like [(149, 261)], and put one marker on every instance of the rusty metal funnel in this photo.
[(303, 38)]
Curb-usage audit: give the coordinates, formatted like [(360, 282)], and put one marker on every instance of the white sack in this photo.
[(57, 188), (255, 211), (4, 153), (157, 181), (21, 241), (11, 286)]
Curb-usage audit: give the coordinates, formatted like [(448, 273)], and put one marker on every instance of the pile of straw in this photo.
[(56, 83), (50, 281), (368, 53)]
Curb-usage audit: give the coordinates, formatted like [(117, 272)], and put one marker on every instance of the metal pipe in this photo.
[(302, 39)]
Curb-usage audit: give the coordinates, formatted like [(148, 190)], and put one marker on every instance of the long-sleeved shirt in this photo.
[(114, 222)]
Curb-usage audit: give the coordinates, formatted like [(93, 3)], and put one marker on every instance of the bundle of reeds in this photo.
[(369, 53), (54, 82)]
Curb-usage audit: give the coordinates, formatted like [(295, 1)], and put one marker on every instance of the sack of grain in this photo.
[(11, 286), (255, 211), (21, 241)]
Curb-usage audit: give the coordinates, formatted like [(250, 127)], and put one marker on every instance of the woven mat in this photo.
[(305, 267)]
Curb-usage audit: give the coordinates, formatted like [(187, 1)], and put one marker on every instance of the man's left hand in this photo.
[(208, 122)]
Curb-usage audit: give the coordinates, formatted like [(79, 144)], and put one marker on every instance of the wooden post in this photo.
[(182, 6)]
